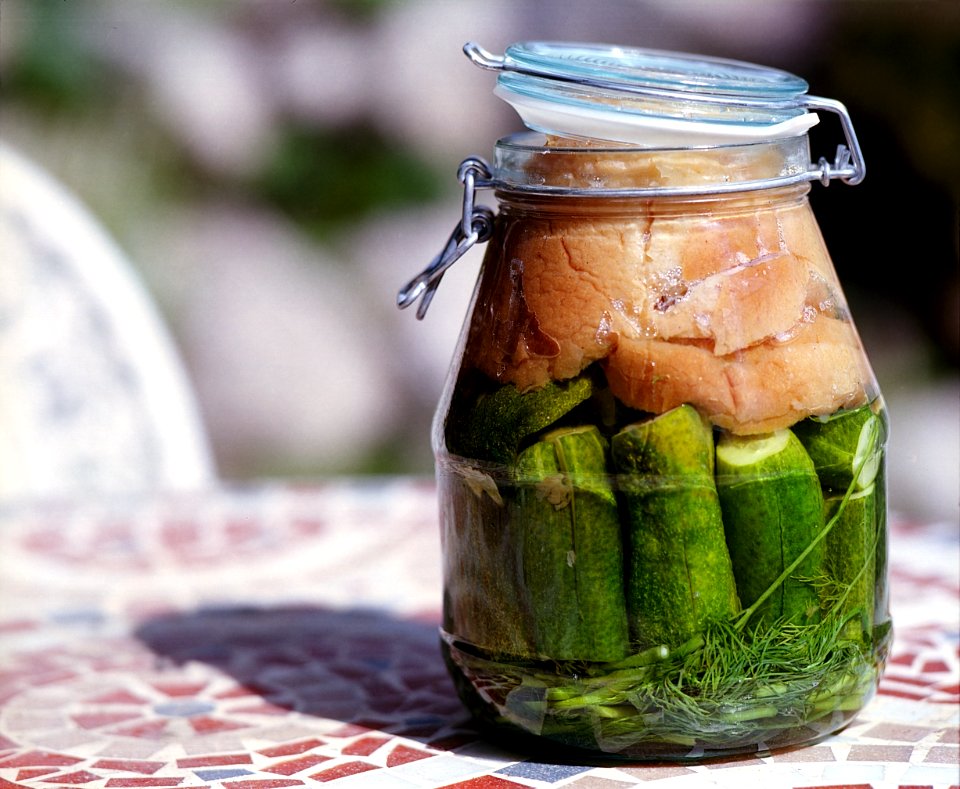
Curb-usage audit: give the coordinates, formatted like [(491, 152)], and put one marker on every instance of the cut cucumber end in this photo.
[(867, 458), (737, 451)]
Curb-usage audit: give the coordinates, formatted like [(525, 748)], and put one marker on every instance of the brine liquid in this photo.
[(555, 627)]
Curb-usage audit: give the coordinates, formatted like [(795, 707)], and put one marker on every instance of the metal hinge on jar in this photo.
[(475, 226)]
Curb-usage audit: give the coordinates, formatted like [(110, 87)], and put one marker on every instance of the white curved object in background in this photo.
[(93, 396)]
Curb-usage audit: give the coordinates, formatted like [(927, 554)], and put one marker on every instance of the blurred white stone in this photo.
[(284, 354), (203, 80), (93, 396), (426, 91), (924, 451), (320, 72)]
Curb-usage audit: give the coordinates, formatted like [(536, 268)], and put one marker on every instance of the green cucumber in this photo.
[(844, 446), (493, 425), (881, 590), (572, 562), (850, 559), (679, 573), (772, 511), (482, 602)]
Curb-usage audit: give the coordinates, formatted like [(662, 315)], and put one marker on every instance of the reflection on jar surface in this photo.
[(660, 459)]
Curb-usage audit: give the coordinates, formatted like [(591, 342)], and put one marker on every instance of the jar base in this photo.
[(519, 707)]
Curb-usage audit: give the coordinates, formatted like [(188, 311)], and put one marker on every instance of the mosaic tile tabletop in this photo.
[(278, 637)]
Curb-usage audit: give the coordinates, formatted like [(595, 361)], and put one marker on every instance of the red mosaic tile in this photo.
[(117, 697), (237, 692), (942, 754), (292, 748), (97, 720), (812, 753), (308, 528), (905, 680), (43, 541), (147, 730), (935, 667), (52, 677), (901, 694), (951, 735), (897, 754), (241, 531), (128, 765), (180, 689), (35, 772), (489, 782), (297, 765), (207, 725), (906, 659), (839, 786), (343, 770), (122, 663), (40, 759), (144, 783), (364, 746), (358, 727), (18, 625), (180, 535), (898, 731), (214, 760), (78, 777), (403, 754)]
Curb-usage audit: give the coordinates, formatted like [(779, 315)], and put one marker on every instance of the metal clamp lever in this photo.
[(475, 226), (848, 165)]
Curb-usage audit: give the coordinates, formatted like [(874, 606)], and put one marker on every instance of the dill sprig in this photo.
[(723, 687)]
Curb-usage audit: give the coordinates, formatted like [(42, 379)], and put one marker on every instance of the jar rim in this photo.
[(535, 163)]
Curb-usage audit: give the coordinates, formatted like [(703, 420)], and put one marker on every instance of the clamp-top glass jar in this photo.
[(660, 450)]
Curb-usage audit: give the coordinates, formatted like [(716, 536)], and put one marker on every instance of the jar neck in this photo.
[(536, 164), (514, 204)]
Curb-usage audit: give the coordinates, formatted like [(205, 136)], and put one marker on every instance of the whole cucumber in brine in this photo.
[(565, 514), (772, 511), (851, 560), (492, 425), (844, 447), (679, 574), (482, 601)]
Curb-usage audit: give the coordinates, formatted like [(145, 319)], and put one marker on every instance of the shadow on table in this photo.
[(357, 666), (363, 668)]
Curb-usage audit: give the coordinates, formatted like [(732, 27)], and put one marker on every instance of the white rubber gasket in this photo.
[(551, 117)]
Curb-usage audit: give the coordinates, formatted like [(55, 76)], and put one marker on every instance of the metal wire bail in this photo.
[(475, 226)]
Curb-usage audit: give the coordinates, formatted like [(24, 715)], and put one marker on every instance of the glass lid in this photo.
[(646, 97), (625, 68)]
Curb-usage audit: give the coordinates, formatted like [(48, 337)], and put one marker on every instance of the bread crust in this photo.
[(760, 389), (737, 312)]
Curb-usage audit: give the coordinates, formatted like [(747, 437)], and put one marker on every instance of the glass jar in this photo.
[(660, 449)]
